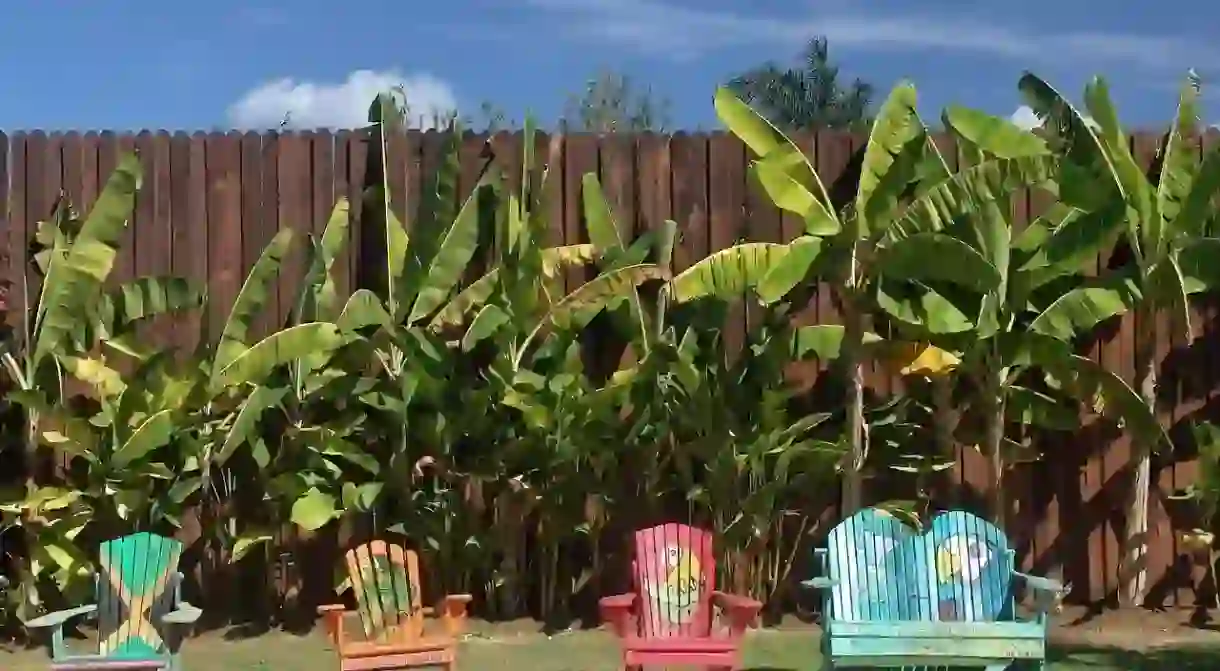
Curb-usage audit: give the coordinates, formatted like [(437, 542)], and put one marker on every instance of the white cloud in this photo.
[(1025, 118), (659, 27), (321, 104)]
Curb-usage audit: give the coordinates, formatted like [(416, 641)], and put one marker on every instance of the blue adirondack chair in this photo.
[(140, 612), (895, 598)]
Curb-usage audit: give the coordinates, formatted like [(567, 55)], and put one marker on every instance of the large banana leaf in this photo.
[(788, 193), (73, 281), (576, 309), (154, 432), (385, 118), (994, 137), (728, 273), (253, 364), (1084, 307), (963, 193), (599, 220), (769, 143), (453, 251), (318, 299), (245, 422), (1075, 138), (120, 307), (895, 130), (554, 259), (793, 267), (251, 301), (936, 257)]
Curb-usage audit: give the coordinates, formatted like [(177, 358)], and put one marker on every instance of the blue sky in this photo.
[(128, 64)]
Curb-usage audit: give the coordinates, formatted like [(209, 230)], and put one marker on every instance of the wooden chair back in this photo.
[(959, 569), (137, 583), (675, 573), (385, 578)]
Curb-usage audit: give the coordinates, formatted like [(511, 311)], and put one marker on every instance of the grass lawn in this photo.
[(590, 651)]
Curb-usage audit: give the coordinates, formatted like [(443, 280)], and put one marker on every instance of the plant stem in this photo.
[(853, 339), (993, 400), (1132, 571)]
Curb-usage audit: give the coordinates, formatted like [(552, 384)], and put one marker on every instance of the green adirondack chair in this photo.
[(140, 612)]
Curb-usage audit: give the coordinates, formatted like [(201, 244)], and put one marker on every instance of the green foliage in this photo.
[(507, 420), (611, 103), (808, 96)]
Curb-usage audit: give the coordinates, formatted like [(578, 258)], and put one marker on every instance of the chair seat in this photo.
[(82, 662), (704, 644), (375, 649)]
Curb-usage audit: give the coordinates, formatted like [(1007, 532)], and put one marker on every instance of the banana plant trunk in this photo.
[(1133, 572), (853, 343), (993, 398), (944, 425)]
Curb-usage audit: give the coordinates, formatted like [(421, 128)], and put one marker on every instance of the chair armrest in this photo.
[(59, 617), (453, 613), (55, 623), (1040, 583), (185, 613), (619, 611), (741, 610), (819, 583), (1048, 593), (332, 621)]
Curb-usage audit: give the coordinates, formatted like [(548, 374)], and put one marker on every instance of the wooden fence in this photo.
[(210, 202)]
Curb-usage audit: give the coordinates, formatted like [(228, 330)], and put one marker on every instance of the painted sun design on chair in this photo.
[(677, 595)]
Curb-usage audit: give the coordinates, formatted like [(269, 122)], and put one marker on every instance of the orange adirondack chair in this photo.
[(385, 578), (670, 618)]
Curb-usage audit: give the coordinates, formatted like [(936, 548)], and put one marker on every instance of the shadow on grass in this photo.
[(1177, 658)]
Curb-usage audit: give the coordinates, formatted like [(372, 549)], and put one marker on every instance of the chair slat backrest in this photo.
[(857, 550), (970, 574), (675, 573), (137, 584), (959, 569), (385, 578)]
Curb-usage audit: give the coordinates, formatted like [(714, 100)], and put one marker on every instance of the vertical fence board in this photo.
[(726, 206), (580, 156), (223, 227), (293, 211), (357, 163), (36, 205), (18, 241), (690, 198), (7, 294), (163, 220)]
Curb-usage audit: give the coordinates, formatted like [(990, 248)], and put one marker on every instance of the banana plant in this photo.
[(743, 454), (123, 468), (72, 312), (849, 246), (74, 308), (1163, 218), (526, 326), (397, 365), (297, 423), (981, 318)]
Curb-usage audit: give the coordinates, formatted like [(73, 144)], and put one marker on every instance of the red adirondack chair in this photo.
[(670, 618)]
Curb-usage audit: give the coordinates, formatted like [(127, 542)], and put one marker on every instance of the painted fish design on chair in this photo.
[(677, 595)]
